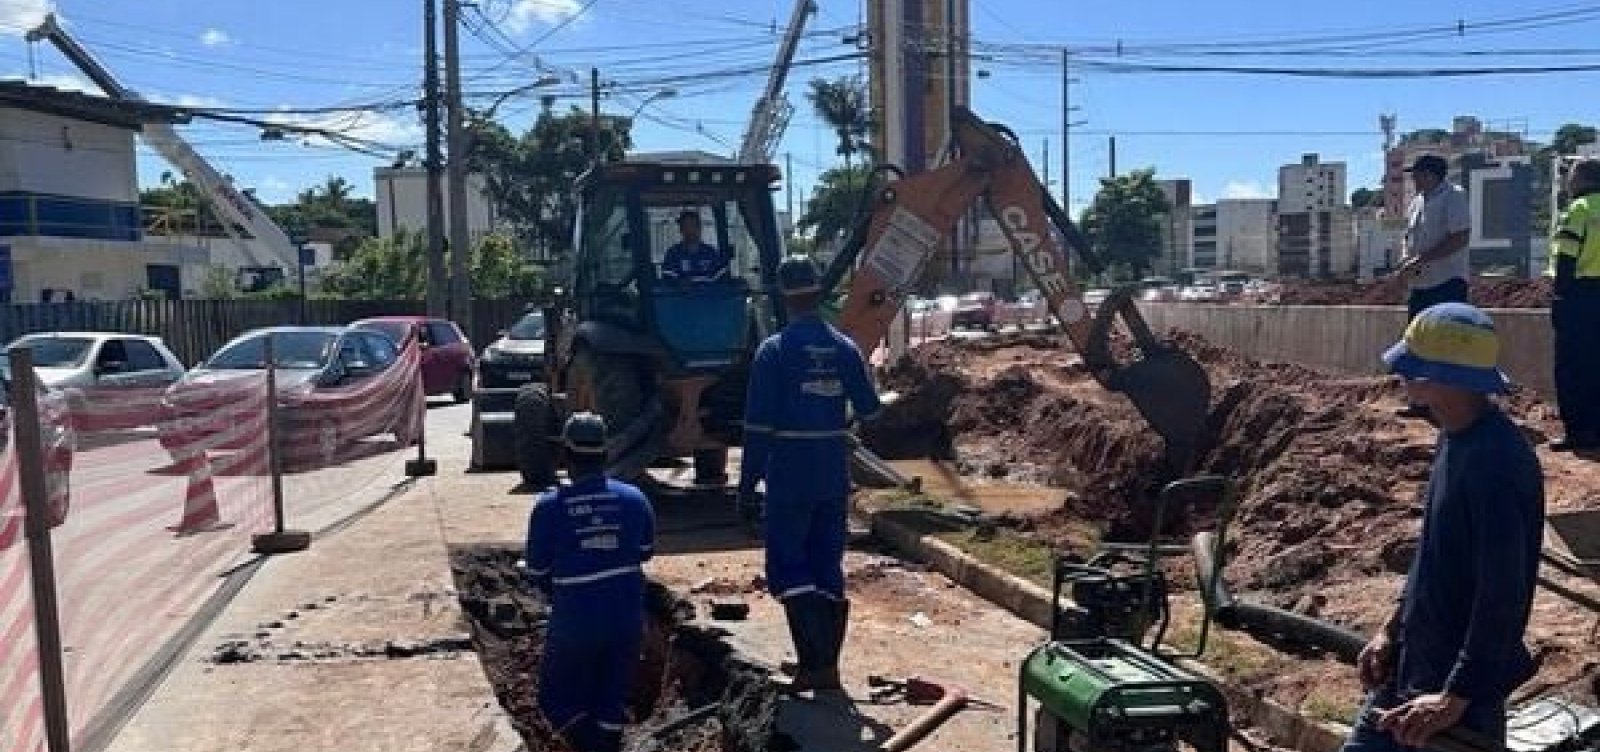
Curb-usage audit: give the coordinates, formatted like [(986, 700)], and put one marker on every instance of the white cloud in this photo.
[(1245, 189), (274, 190), (367, 126), (18, 16), (215, 38), (199, 101), (524, 13)]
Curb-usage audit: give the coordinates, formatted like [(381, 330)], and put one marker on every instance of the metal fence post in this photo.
[(35, 497), (279, 541)]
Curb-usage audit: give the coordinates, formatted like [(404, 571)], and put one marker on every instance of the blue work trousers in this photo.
[(587, 670), (805, 543)]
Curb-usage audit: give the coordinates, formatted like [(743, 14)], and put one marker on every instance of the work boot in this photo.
[(811, 625), (802, 631), (835, 616)]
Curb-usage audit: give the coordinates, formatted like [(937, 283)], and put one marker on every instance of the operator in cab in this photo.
[(691, 261), (587, 542), (803, 381)]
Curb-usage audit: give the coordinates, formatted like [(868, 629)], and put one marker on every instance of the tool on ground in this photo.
[(1095, 685), (914, 690), (951, 700)]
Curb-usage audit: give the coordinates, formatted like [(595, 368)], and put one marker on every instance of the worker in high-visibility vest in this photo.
[(1575, 312)]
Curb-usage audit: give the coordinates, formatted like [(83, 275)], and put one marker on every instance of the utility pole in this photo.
[(1066, 131), (460, 233), (1113, 151), (788, 188), (434, 159), (1046, 162), (594, 114)]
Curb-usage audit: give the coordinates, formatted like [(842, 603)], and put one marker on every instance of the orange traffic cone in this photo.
[(200, 511)]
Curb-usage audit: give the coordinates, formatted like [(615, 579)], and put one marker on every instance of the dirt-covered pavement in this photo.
[(1329, 483)]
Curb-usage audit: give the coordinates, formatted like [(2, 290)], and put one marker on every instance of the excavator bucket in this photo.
[(1165, 384)]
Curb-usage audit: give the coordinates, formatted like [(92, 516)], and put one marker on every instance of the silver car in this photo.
[(99, 360)]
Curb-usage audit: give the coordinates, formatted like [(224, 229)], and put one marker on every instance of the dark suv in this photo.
[(515, 359)]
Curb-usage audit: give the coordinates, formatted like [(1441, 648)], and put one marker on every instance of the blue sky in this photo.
[(1228, 133)]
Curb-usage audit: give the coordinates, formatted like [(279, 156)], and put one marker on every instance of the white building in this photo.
[(402, 198), (70, 223), (1311, 185), (1246, 235), (1179, 230), (1315, 227)]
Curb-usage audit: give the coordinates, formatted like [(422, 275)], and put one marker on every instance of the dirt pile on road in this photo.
[(1485, 293), (1328, 479), (691, 692)]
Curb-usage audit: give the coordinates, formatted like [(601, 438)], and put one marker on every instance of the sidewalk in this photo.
[(357, 644)]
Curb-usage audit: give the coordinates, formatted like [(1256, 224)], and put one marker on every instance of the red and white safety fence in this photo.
[(153, 492)]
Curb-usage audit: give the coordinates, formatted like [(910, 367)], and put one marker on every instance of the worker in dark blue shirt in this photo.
[(796, 439), (1452, 651), (586, 544), (690, 261)]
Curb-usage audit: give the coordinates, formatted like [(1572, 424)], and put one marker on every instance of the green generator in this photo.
[(1107, 695), (1095, 687)]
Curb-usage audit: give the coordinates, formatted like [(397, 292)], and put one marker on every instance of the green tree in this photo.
[(395, 268), (530, 177), (1124, 221), (1570, 136), (842, 104), (1365, 197), (330, 211), (835, 200)]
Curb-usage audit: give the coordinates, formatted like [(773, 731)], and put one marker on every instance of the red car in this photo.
[(447, 355)]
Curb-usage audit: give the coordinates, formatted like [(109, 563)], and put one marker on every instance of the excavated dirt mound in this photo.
[(1485, 293), (691, 692), (1328, 479)]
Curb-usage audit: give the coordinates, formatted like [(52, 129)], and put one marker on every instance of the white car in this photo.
[(98, 359)]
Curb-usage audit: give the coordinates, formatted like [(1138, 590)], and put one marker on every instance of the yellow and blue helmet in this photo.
[(1453, 344)]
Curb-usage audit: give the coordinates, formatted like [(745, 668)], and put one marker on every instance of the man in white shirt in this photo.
[(1435, 263)]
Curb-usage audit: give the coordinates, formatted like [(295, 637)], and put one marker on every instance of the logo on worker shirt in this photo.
[(823, 376), (607, 542)]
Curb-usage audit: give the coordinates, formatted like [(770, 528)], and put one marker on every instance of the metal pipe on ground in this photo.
[(954, 699)]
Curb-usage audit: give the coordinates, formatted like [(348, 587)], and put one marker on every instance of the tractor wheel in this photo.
[(610, 385), (534, 423)]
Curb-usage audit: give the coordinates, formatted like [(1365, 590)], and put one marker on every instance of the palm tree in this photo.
[(842, 104)]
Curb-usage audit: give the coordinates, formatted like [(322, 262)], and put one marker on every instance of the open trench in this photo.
[(691, 693), (1327, 480)]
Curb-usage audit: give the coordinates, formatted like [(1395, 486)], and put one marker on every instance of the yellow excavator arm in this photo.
[(911, 218)]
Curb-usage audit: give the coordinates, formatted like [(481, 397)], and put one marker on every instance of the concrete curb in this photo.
[(1031, 602)]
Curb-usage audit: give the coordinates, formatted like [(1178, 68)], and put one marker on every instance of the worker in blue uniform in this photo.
[(801, 382), (690, 260), (586, 543)]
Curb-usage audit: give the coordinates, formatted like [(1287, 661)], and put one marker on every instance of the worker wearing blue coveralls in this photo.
[(690, 260), (796, 440), (586, 543)]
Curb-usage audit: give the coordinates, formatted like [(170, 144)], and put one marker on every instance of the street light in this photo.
[(656, 97), (543, 81)]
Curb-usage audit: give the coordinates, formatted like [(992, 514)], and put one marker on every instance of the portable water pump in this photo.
[(1096, 687)]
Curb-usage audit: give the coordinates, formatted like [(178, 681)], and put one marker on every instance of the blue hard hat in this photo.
[(585, 433), (798, 275)]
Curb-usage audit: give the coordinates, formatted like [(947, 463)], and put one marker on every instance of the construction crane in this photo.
[(238, 211), (771, 113)]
